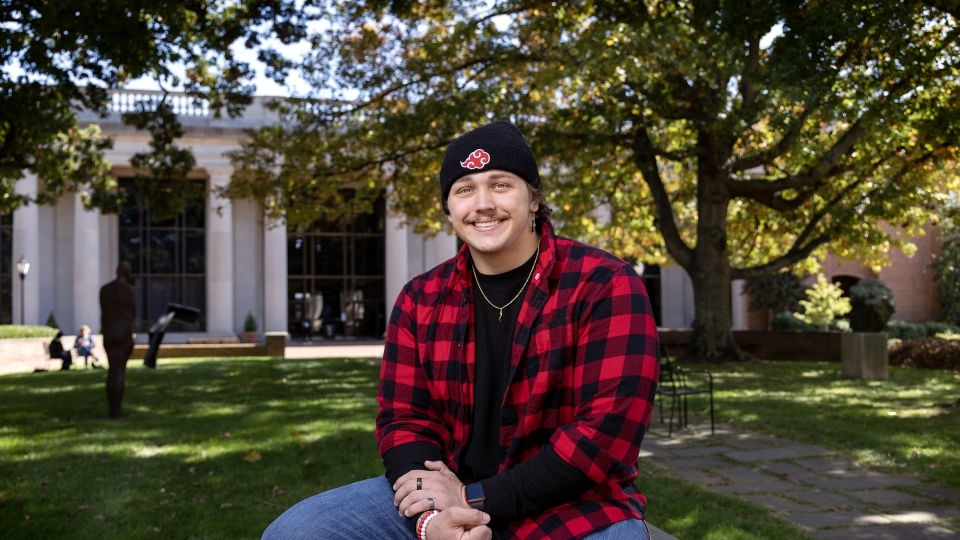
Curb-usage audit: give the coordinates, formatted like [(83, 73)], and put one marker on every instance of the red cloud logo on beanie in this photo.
[(476, 160)]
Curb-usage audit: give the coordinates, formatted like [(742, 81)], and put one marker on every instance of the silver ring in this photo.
[(430, 501), (419, 483)]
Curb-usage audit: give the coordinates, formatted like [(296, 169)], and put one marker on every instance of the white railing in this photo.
[(122, 101)]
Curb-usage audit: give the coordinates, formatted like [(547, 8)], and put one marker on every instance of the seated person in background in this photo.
[(57, 352), (84, 346)]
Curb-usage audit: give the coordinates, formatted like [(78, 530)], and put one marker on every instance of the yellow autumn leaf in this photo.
[(252, 456)]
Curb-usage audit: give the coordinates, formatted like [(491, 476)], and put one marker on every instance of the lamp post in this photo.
[(22, 268)]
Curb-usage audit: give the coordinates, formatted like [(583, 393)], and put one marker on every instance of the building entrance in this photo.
[(168, 257), (336, 277)]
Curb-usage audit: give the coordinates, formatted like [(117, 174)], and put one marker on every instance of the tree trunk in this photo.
[(712, 335)]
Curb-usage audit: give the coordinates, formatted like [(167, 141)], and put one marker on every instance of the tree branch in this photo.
[(792, 257), (824, 168), (627, 139), (748, 92), (775, 201), (645, 157), (775, 151), (664, 111), (801, 247)]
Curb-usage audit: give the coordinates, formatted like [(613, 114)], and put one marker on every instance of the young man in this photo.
[(517, 381)]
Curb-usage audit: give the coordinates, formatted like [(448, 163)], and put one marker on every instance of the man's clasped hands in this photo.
[(438, 488)]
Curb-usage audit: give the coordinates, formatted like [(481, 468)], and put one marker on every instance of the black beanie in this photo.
[(499, 145)]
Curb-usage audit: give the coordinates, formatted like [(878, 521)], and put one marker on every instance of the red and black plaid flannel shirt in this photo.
[(584, 369)]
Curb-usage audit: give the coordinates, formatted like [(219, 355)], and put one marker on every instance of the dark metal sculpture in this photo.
[(117, 308), (175, 312)]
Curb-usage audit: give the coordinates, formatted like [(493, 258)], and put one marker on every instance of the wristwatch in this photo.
[(475, 495)]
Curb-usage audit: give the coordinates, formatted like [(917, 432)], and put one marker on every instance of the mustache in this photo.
[(476, 219)]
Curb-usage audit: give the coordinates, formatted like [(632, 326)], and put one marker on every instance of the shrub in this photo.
[(839, 325), (777, 292), (871, 305), (14, 331), (946, 270), (825, 303), (250, 324), (905, 331), (934, 328), (52, 321), (926, 353), (786, 322)]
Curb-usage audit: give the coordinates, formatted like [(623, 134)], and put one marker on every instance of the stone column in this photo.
[(676, 286), (86, 267), (274, 276), (396, 259), (219, 257), (445, 247), (738, 305), (26, 243)]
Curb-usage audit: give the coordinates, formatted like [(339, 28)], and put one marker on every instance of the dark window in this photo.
[(168, 258), (6, 269), (336, 272), (651, 281)]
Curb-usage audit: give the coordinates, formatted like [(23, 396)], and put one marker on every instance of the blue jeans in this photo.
[(364, 510)]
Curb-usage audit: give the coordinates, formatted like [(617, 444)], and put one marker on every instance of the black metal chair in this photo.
[(675, 385)]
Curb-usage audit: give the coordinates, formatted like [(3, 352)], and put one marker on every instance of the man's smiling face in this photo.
[(491, 211)]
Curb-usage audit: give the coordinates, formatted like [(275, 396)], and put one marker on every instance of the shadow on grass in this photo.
[(212, 449)]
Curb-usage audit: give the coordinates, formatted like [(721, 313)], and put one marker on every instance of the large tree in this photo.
[(63, 55), (735, 137)]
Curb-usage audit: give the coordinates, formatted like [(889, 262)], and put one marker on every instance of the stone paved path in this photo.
[(831, 497)]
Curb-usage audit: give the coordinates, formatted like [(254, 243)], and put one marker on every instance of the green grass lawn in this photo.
[(175, 467), (902, 425), (219, 448)]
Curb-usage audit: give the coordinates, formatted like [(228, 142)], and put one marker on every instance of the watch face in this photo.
[(475, 492)]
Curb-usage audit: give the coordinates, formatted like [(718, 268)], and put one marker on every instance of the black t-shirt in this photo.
[(494, 334)]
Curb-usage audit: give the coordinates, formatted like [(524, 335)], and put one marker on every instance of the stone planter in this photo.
[(249, 337), (276, 343), (863, 355)]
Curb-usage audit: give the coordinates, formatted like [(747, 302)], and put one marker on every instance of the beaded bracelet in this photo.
[(419, 524), (422, 532)]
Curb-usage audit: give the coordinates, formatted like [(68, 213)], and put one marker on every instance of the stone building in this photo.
[(219, 255)]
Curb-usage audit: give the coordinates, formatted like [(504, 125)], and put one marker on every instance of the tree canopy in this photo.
[(734, 137), (61, 56)]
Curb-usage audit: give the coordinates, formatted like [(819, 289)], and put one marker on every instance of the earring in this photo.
[(533, 226)]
